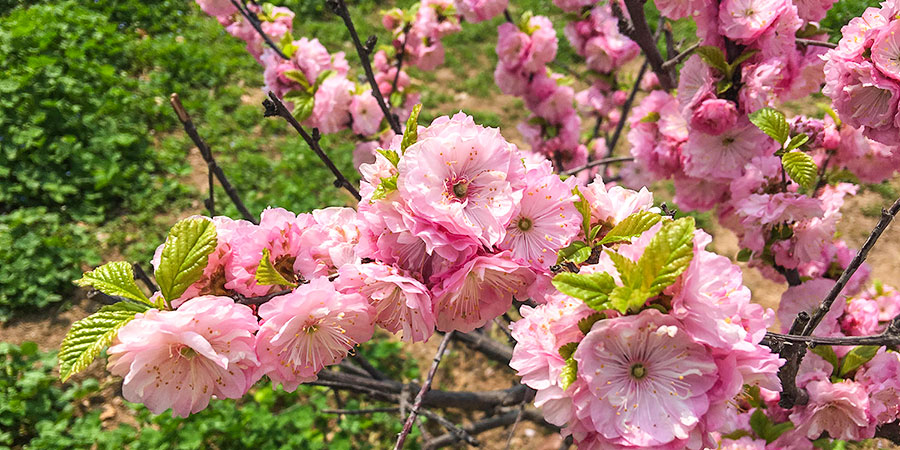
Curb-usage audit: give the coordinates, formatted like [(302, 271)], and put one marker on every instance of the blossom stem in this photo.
[(399, 64), (141, 275), (598, 162), (211, 165), (340, 8), (407, 426), (275, 107), (255, 23), (638, 31), (816, 43)]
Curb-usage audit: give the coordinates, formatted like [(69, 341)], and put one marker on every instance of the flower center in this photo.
[(525, 224), (638, 371), (311, 328), (187, 352), (461, 189)]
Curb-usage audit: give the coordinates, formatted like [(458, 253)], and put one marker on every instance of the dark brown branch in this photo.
[(407, 426), (274, 107), (453, 428), (815, 43), (598, 162), (238, 298), (141, 275), (369, 368), (357, 412), (671, 63), (889, 431), (793, 354), (490, 423), (886, 217), (638, 31), (626, 109), (488, 347), (340, 8), (399, 65), (206, 153), (257, 25)]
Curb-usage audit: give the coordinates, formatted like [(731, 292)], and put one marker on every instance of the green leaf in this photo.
[(714, 57), (771, 122), (566, 350), (800, 167), (743, 57), (652, 116), (322, 77), (857, 357), (744, 255), (627, 269), (287, 45), (584, 208), (568, 373), (298, 77), (391, 156), (827, 353), (595, 230), (304, 102), (115, 278), (775, 431), (90, 335), (723, 86), (631, 227), (588, 322), (268, 275), (411, 134), (625, 298), (577, 252), (797, 141), (593, 288), (185, 255), (759, 423), (387, 185), (669, 254)]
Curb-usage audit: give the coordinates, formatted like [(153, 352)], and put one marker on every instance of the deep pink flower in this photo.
[(714, 116), (180, 359), (312, 327), (881, 379), (839, 408), (331, 112)]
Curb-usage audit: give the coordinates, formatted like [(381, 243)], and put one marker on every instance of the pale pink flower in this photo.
[(837, 408), (180, 359), (365, 113), (546, 221), (714, 116), (722, 157), (217, 8), (699, 194), (311, 58), (312, 327), (331, 112), (399, 302), (463, 177), (331, 240), (679, 9), (779, 207), (863, 97), (475, 11), (616, 203), (881, 379), (478, 291), (860, 318), (886, 50), (648, 379), (745, 20), (807, 297), (813, 10)]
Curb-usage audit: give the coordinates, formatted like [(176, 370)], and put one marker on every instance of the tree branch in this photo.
[(488, 347), (399, 64), (274, 107), (671, 63), (254, 21), (141, 275), (206, 153), (407, 427), (598, 162), (815, 43), (490, 423), (638, 31), (340, 8)]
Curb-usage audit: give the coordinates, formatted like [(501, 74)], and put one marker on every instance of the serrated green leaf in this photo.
[(827, 353), (627, 269), (566, 350), (411, 134), (576, 252), (743, 57), (759, 423), (652, 116), (324, 75), (800, 167), (771, 122), (304, 103), (185, 255), (90, 335), (387, 185), (268, 275), (668, 255), (714, 57), (115, 278), (588, 322), (391, 156), (592, 288), (625, 298), (797, 141), (631, 227), (568, 374), (299, 78), (584, 208), (857, 357)]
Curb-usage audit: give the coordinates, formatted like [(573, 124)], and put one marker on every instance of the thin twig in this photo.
[(453, 428), (141, 275), (238, 298), (886, 217), (626, 108), (274, 107), (206, 153), (639, 32), (254, 21), (358, 412), (399, 64), (340, 8), (668, 65), (490, 423), (369, 368), (814, 43), (512, 429), (407, 427), (598, 162)]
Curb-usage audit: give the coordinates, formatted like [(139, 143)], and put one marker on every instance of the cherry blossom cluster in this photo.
[(852, 390), (863, 73), (662, 373), (458, 214)]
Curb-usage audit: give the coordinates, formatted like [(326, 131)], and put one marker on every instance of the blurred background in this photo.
[(94, 167)]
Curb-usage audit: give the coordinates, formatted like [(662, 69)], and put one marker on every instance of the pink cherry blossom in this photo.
[(745, 20), (312, 327), (806, 297), (365, 113), (475, 11), (723, 156), (180, 359), (838, 408), (331, 112), (881, 379), (714, 116)]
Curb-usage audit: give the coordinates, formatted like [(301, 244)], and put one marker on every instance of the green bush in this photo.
[(40, 255)]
